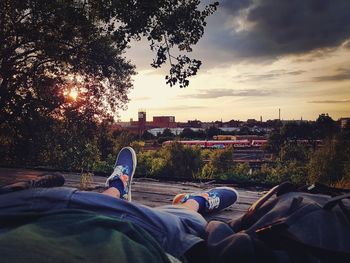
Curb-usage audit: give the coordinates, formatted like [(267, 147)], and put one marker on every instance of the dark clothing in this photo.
[(74, 236), (176, 229)]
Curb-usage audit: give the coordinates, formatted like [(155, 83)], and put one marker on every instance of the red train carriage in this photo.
[(214, 144), (259, 143)]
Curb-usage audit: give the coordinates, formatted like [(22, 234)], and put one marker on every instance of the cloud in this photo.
[(346, 44), (268, 29), (178, 108), (219, 93), (341, 75), (265, 30), (141, 98), (233, 6), (330, 101), (271, 75)]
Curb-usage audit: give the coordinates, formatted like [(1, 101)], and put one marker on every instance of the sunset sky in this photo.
[(258, 56)]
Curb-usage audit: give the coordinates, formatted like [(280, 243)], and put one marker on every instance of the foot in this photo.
[(49, 180), (211, 201), (123, 173)]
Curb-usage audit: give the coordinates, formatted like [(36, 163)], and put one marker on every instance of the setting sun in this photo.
[(73, 94)]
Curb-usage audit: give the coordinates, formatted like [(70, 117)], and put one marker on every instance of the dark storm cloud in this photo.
[(219, 93), (274, 28), (233, 6), (271, 29), (330, 101), (342, 74)]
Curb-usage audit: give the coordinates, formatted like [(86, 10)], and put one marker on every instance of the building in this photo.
[(142, 122), (141, 125), (344, 122), (164, 122)]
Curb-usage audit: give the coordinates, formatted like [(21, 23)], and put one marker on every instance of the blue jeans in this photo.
[(175, 228)]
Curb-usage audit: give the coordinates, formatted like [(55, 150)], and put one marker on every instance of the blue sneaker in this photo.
[(216, 199), (124, 170)]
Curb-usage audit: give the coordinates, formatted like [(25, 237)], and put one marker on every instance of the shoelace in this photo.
[(119, 171)]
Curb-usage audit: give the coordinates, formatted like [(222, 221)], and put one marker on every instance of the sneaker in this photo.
[(216, 199), (124, 169), (49, 180)]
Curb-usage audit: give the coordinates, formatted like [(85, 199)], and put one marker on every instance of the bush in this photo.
[(330, 164)]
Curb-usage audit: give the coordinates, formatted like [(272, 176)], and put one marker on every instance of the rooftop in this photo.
[(146, 191)]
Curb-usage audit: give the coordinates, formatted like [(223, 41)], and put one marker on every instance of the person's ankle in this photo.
[(118, 184), (201, 202)]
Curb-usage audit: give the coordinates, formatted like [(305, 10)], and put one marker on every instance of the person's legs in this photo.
[(45, 181), (119, 182), (210, 201), (112, 191), (177, 228), (190, 204)]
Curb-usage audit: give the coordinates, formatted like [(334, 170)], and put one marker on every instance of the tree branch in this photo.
[(168, 49)]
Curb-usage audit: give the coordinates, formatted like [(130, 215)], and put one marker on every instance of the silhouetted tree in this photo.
[(64, 56), (50, 47), (325, 126), (147, 135), (212, 131), (167, 133), (330, 163), (188, 133), (274, 142)]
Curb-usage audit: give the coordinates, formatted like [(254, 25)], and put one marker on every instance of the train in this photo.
[(216, 144), (254, 144)]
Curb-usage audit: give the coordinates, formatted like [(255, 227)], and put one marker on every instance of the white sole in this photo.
[(134, 161)]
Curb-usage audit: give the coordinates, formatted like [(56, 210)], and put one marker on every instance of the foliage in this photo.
[(86, 179), (212, 131), (182, 161), (167, 133), (175, 160), (188, 133), (48, 48), (294, 152), (220, 162), (330, 164), (147, 136), (162, 139), (325, 126), (63, 71), (274, 142)]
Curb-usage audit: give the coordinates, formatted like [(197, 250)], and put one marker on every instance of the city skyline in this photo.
[(257, 56), (150, 118)]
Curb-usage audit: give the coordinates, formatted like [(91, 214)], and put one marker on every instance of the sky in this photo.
[(258, 56)]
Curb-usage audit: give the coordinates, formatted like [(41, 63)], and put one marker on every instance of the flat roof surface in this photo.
[(146, 191)]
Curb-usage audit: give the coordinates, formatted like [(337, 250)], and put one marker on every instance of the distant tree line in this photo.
[(76, 143), (328, 164), (190, 134), (295, 162)]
